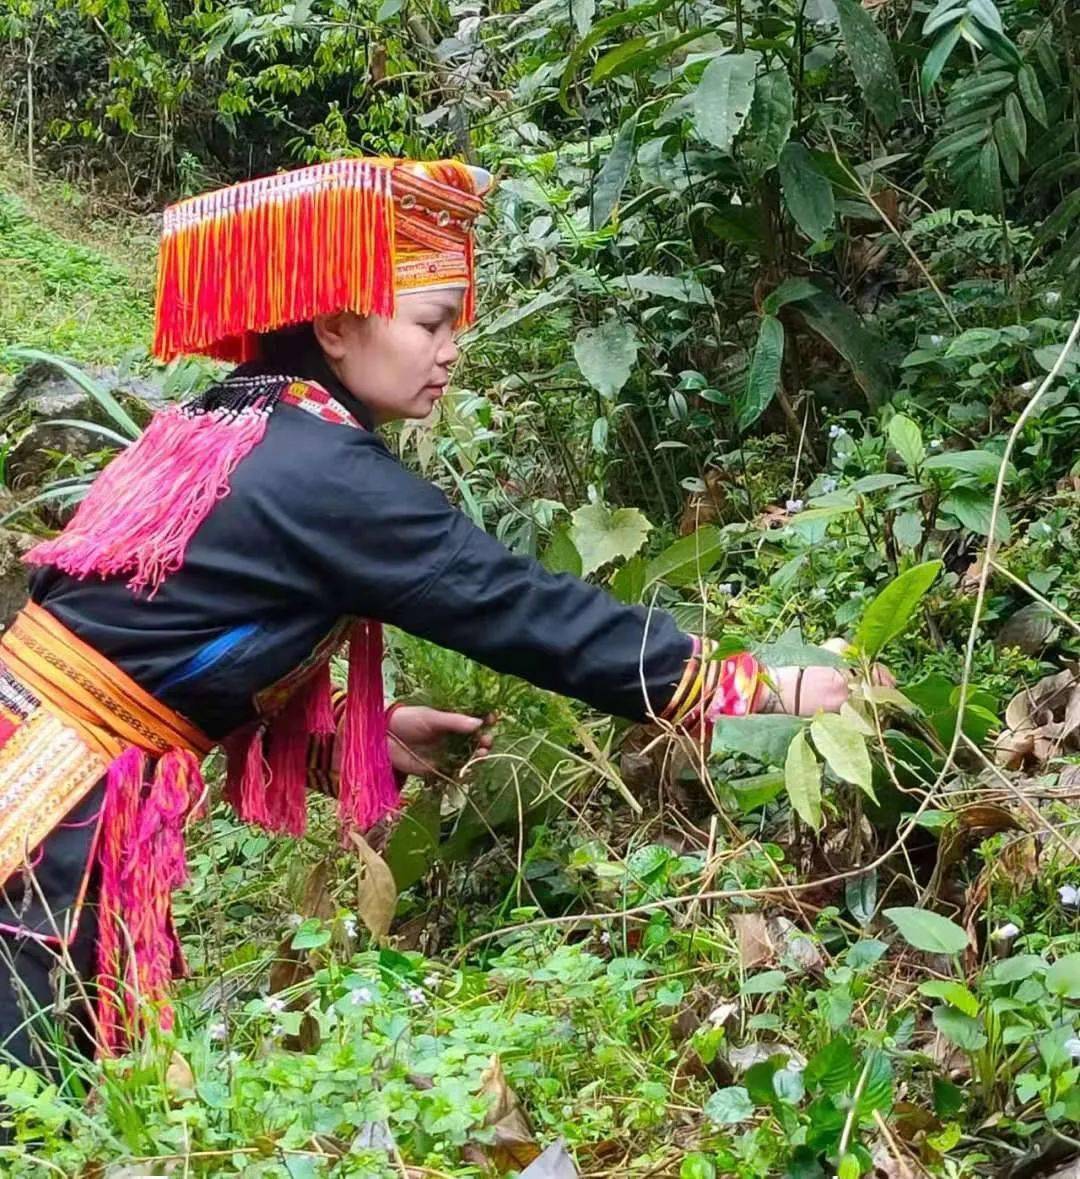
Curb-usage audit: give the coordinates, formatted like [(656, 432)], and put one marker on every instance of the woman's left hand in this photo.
[(807, 691), (418, 736)]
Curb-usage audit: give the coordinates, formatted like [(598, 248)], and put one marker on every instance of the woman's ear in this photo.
[(330, 332)]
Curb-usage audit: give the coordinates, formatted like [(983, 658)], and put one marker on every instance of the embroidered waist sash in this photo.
[(68, 718)]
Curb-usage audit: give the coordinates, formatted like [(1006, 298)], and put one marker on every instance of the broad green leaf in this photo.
[(832, 1068), (1032, 95), (974, 342), (802, 779), (722, 99), (870, 483), (1017, 968), (768, 127), (414, 842), (808, 195), (943, 12), (929, 932), (516, 314), (1008, 148), (613, 176), (768, 982), (940, 54), (952, 145), (763, 377), (791, 290), (959, 1029), (765, 738), (728, 1107), (974, 509), (793, 652), (877, 1085), (834, 321), (683, 288), (986, 14), (844, 748), (757, 790), (606, 355), (561, 556), (628, 584), (984, 184), (310, 935), (871, 61), (683, 562), (789, 1086), (601, 535), (970, 462), (906, 439), (1063, 977), (697, 1166), (908, 530), (610, 62), (889, 613), (952, 992), (860, 895)]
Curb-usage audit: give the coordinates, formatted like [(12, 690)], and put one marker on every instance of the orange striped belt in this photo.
[(108, 709), (90, 712)]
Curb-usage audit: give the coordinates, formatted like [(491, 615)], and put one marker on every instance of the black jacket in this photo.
[(323, 521)]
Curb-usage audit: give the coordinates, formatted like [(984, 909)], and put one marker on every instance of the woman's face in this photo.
[(397, 367)]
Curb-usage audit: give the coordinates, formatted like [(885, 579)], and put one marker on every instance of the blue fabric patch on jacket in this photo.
[(205, 658)]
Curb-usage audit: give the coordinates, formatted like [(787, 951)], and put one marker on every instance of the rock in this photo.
[(43, 393), (14, 575)]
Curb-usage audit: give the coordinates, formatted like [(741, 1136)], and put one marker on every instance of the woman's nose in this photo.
[(448, 353)]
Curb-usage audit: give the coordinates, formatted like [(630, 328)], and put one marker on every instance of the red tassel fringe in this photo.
[(272, 252)]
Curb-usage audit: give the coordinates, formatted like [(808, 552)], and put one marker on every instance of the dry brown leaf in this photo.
[(376, 894), (752, 937), (514, 1146), (1041, 722), (178, 1076)]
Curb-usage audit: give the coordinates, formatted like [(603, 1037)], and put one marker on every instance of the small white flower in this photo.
[(794, 505), (935, 443), (828, 485), (218, 1031), (360, 995), (1027, 386), (1007, 932), (431, 981), (937, 340), (605, 938), (1072, 1047), (415, 996), (350, 926), (836, 431), (275, 1005), (725, 589), (1052, 298), (276, 1030), (294, 920), (1070, 896)]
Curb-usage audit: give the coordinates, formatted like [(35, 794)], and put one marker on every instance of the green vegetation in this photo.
[(774, 300)]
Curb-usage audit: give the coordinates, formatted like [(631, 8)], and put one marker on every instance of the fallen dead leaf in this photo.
[(513, 1145), (376, 894), (753, 940), (178, 1076), (1042, 721)]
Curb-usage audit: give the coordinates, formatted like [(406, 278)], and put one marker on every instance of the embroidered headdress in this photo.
[(345, 235)]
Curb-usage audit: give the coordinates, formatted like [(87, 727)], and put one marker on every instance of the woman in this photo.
[(199, 591)]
